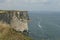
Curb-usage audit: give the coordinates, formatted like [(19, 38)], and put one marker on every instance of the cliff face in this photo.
[(18, 20)]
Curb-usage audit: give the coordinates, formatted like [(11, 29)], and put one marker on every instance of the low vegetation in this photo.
[(7, 33)]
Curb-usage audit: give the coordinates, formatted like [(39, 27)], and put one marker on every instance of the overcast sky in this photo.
[(31, 5)]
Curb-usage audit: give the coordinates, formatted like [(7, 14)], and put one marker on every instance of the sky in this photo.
[(30, 5)]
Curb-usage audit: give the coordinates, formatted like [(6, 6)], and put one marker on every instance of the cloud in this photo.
[(30, 4), (14, 5), (36, 1), (2, 1), (8, 0)]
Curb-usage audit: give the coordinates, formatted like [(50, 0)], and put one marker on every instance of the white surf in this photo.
[(39, 25)]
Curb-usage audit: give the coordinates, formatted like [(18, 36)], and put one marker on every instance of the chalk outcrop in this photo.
[(18, 20)]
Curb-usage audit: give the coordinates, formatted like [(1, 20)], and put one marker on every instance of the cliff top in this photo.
[(3, 11), (13, 10)]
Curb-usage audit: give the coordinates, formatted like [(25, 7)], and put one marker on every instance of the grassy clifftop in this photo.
[(7, 33)]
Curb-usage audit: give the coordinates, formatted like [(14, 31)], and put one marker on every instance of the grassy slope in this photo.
[(7, 33)]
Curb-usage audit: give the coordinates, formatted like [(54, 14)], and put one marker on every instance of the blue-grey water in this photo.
[(44, 25)]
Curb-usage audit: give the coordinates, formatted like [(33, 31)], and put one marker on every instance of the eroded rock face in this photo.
[(19, 22), (17, 19)]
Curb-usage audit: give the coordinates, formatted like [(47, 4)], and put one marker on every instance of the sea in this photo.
[(44, 25)]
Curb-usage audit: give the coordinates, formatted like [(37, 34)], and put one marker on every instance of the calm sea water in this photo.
[(44, 25)]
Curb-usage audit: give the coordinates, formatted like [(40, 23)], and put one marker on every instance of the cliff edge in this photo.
[(13, 25), (17, 19)]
